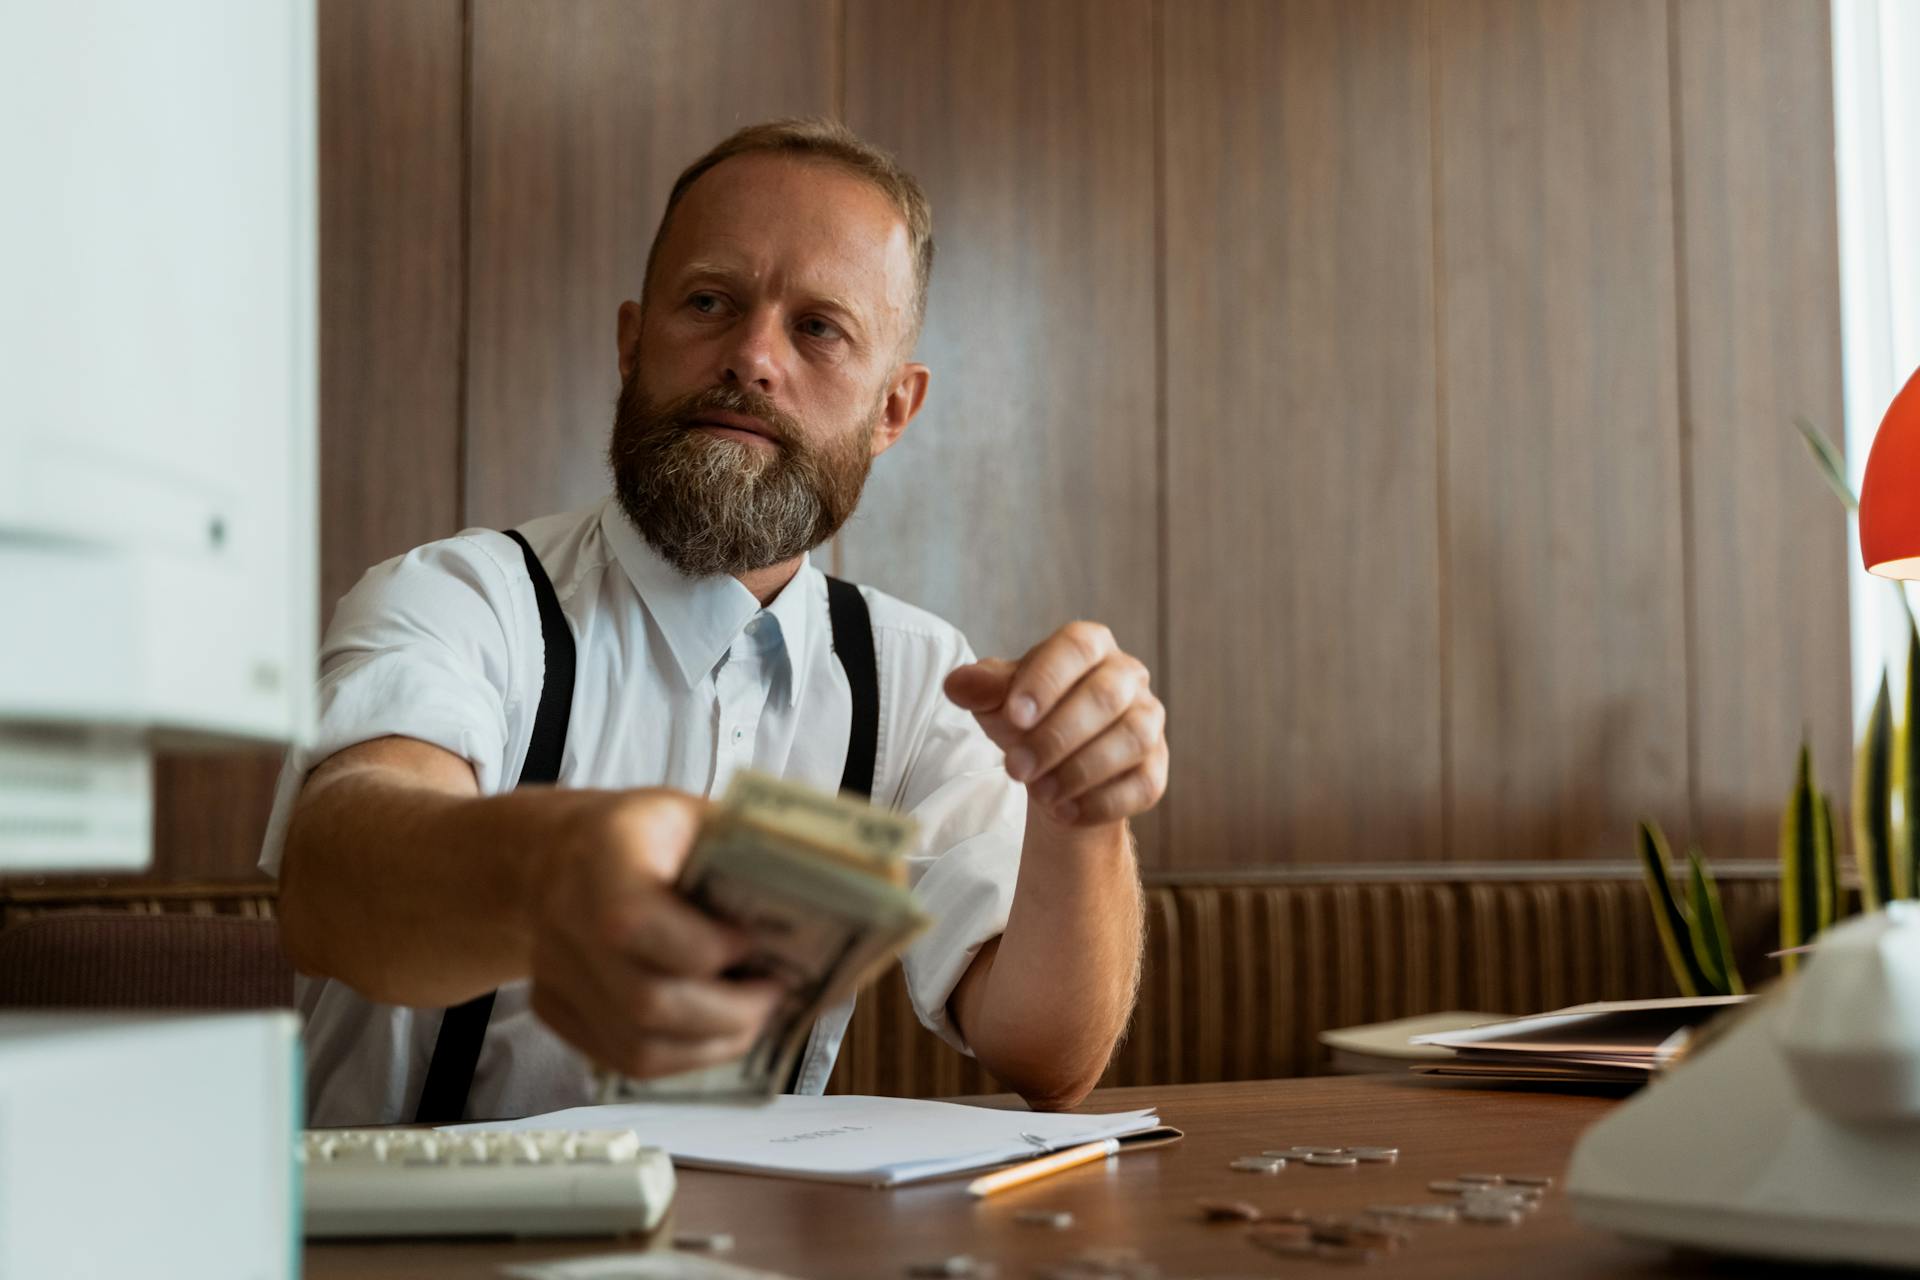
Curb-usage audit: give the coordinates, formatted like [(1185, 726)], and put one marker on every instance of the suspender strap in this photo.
[(443, 1098), (853, 642)]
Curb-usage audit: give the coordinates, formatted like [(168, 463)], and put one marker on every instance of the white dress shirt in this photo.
[(679, 682)]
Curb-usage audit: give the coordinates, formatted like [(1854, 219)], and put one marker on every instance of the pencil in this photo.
[(1021, 1174)]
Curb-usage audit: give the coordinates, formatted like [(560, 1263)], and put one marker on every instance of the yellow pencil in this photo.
[(1021, 1174)]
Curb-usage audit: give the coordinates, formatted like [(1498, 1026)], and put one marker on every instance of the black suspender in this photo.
[(853, 642), (456, 1052), (443, 1098)]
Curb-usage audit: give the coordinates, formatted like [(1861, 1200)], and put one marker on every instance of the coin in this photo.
[(1480, 1179), (1449, 1187), (715, 1242), (1492, 1214), (1056, 1219), (1285, 1246), (1346, 1253), (959, 1265), (1303, 1152), (1374, 1155), (1333, 1160), (1528, 1180), (1258, 1164), (1284, 1231), (1228, 1211)]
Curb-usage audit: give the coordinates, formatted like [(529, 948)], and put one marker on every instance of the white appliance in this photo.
[(157, 439), (1794, 1132), (157, 580), (150, 1146)]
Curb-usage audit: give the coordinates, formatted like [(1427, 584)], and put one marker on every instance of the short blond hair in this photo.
[(833, 142)]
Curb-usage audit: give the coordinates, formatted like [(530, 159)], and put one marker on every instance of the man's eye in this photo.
[(705, 303), (815, 327)]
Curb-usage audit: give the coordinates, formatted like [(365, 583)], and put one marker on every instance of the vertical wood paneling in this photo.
[(583, 115), (391, 293), (1302, 448), (390, 311), (1564, 561), (1761, 310), (1025, 495)]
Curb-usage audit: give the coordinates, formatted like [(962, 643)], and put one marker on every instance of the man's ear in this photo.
[(904, 398), (628, 338)]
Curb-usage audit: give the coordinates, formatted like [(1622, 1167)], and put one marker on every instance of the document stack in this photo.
[(1621, 1042), (819, 883)]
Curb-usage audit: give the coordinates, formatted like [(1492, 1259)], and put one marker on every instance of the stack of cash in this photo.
[(819, 883)]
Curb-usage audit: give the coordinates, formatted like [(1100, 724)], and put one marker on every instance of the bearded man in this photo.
[(642, 651)]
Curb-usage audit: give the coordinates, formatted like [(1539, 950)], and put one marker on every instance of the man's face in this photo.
[(766, 370)]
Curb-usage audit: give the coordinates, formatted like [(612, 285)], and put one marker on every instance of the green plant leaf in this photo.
[(1800, 860), (1676, 936), (1873, 803), (1711, 942), (1833, 900), (1832, 463)]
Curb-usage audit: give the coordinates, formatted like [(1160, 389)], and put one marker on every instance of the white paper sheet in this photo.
[(879, 1142)]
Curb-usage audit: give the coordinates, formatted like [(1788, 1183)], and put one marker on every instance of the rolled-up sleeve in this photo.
[(972, 820), (429, 645)]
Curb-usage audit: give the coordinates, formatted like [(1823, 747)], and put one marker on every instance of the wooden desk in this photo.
[(1145, 1199)]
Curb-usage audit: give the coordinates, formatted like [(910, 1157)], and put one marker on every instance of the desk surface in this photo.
[(1146, 1199)]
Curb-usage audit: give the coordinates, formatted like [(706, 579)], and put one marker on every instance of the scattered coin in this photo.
[(1346, 1253), (959, 1265), (1285, 1246), (1304, 1152), (1450, 1188), (1356, 1231), (1492, 1214), (714, 1242), (1528, 1180), (1288, 1154), (1479, 1179), (1374, 1155), (1283, 1231), (1055, 1219), (1228, 1211), (1258, 1164), (1338, 1159)]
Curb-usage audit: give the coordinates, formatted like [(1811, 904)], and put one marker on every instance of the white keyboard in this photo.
[(415, 1182)]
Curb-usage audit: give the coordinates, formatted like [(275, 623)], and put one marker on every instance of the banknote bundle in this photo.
[(819, 884)]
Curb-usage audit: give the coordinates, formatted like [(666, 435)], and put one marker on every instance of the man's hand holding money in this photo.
[(623, 966)]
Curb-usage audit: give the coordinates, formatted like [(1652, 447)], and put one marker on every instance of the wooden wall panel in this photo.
[(390, 81), (1026, 493), (1565, 610), (583, 115), (1303, 571), (1760, 299)]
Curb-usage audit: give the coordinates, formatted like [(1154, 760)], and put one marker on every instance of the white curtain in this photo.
[(1876, 94)]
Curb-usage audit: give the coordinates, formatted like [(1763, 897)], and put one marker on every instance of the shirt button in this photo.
[(739, 734)]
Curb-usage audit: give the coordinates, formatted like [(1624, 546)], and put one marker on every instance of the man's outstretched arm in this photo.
[(403, 882), (1043, 1005)]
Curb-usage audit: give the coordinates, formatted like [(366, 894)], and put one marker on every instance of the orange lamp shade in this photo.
[(1890, 494)]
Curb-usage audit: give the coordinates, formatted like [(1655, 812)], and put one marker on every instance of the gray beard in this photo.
[(713, 506)]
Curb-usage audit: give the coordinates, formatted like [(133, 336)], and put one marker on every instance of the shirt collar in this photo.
[(700, 618)]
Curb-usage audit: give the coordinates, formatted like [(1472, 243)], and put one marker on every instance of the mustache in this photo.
[(679, 416)]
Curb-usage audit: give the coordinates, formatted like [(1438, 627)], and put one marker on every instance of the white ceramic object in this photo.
[(1850, 1027)]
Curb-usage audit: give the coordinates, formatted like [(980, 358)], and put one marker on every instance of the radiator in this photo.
[(1239, 980)]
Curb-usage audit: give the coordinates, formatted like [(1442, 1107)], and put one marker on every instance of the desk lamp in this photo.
[(1793, 1130)]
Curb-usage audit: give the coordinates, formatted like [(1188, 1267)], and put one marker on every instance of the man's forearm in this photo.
[(409, 894), (1056, 989)]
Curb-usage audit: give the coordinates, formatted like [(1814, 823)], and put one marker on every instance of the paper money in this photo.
[(818, 883)]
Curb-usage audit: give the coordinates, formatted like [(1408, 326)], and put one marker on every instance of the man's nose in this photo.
[(753, 358)]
